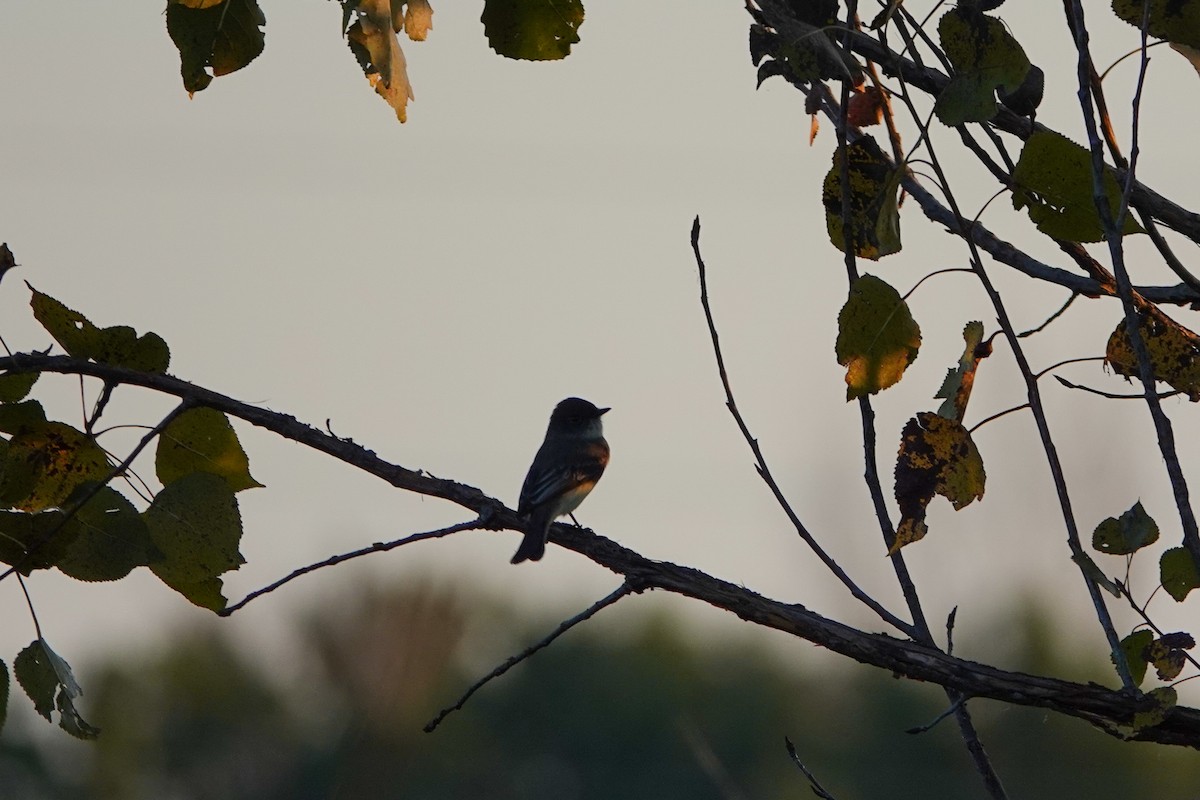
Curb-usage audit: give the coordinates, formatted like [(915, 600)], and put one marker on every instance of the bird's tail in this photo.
[(533, 546)]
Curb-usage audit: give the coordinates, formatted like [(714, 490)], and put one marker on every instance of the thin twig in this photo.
[(817, 788), (37, 627), (378, 547), (1111, 395), (953, 709), (624, 590), (1051, 318), (764, 471), (1090, 100)]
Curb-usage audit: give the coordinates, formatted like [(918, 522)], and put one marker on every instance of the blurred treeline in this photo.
[(631, 711)]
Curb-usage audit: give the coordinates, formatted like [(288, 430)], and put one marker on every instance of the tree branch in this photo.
[(1104, 708)]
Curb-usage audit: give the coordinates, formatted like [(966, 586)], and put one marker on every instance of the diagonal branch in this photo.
[(1105, 708)]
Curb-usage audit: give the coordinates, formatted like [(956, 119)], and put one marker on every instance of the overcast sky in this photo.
[(434, 288)]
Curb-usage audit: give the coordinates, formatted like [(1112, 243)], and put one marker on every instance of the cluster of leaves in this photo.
[(217, 37), (60, 511)]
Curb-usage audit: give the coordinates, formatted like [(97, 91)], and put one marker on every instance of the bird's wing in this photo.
[(554, 481)]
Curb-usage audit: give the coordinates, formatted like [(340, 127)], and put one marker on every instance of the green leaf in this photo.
[(224, 36), (956, 388), (202, 440), (195, 523), (1119, 537), (16, 417), (108, 540), (34, 541), (874, 201), (46, 462), (1173, 349), (1177, 572), (119, 346), (937, 456), (50, 684), (877, 337), (16, 387), (1177, 21), (37, 678), (985, 57), (1054, 180), (532, 30), (1134, 647)]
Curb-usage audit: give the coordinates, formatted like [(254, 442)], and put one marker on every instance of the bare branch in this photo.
[(624, 590), (378, 547)]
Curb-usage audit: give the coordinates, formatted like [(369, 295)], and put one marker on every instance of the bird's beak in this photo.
[(602, 411)]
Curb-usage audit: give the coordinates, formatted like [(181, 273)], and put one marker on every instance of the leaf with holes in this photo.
[(937, 456), (985, 57), (1131, 532), (1054, 181), (1173, 349), (119, 345), (874, 229)]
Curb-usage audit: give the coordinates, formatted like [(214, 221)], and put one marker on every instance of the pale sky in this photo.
[(434, 288)]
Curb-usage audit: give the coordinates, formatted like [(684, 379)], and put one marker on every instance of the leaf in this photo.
[(1134, 647), (1163, 700), (48, 681), (119, 346), (1028, 96), (532, 30), (418, 19), (865, 107), (109, 538), (202, 440), (803, 50), (34, 541), (224, 35), (1190, 53), (16, 417), (372, 40), (956, 388), (1177, 572), (874, 201), (46, 462), (1167, 656), (937, 456), (1173, 349), (985, 57), (1120, 537), (35, 674), (1177, 21), (1054, 180), (7, 259), (16, 387), (195, 523), (877, 337)]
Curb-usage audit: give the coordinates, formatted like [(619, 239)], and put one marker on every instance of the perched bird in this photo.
[(567, 465)]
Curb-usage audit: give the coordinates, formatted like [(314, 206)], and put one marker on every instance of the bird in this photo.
[(566, 468)]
